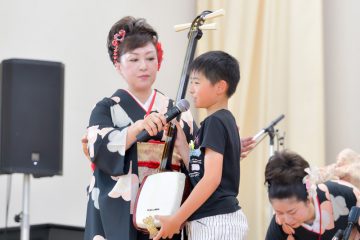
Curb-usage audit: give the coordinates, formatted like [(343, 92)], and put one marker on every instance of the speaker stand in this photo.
[(25, 223)]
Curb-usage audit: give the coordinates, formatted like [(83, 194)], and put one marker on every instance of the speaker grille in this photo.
[(31, 127)]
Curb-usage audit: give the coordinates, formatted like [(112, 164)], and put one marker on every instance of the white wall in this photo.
[(74, 32), (342, 72)]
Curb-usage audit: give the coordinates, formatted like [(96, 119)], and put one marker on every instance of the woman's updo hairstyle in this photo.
[(284, 175), (136, 33)]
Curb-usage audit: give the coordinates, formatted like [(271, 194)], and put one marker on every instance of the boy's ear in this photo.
[(222, 86)]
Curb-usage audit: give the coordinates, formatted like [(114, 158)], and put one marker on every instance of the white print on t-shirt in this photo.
[(195, 167), (194, 174), (196, 161)]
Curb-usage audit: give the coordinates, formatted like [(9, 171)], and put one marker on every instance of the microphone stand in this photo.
[(353, 219), (338, 235), (347, 231), (269, 130)]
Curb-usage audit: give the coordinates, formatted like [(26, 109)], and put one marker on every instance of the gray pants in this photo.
[(231, 226)]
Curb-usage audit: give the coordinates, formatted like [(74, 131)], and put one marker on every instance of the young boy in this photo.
[(212, 210)]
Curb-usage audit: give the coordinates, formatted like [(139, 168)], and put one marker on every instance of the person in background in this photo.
[(347, 168), (304, 209)]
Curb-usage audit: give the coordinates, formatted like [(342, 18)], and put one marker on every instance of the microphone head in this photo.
[(354, 215), (183, 105)]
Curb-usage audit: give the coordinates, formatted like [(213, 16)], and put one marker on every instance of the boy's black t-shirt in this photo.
[(218, 132)]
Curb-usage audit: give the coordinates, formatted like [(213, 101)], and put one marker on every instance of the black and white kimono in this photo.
[(332, 201), (115, 180)]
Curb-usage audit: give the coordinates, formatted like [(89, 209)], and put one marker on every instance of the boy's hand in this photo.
[(169, 227), (247, 144), (181, 144)]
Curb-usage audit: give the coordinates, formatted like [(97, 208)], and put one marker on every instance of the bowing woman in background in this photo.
[(303, 209)]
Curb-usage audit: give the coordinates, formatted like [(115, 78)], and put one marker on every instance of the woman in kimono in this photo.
[(304, 209), (115, 122)]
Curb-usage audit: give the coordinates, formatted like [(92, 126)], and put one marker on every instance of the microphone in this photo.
[(181, 106), (352, 220), (338, 235), (268, 128), (273, 123)]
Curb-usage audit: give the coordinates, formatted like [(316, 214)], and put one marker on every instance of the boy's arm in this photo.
[(213, 165), (182, 145)]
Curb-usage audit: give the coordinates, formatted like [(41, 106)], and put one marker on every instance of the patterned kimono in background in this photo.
[(333, 202), (115, 180)]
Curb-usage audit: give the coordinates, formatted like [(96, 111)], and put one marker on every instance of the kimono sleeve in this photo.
[(345, 190), (106, 143)]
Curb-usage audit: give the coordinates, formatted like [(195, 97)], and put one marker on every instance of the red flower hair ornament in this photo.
[(160, 53), (119, 38)]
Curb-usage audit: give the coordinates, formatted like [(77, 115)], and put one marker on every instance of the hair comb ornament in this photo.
[(118, 38), (310, 180)]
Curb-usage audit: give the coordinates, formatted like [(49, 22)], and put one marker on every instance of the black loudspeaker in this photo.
[(31, 122)]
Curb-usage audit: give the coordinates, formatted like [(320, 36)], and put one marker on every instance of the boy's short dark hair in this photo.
[(216, 66)]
